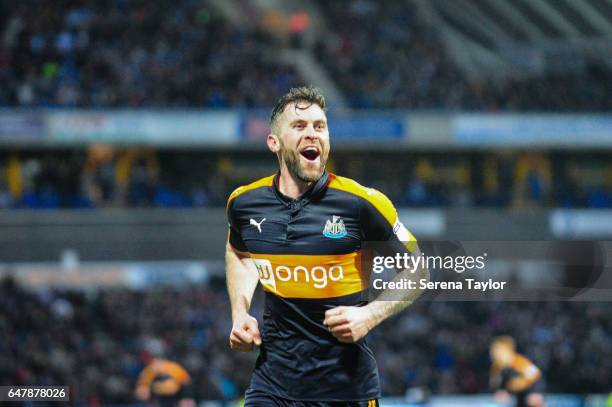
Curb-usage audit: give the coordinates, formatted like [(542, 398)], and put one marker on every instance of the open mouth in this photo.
[(310, 153)]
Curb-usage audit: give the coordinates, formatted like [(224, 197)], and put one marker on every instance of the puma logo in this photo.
[(256, 224)]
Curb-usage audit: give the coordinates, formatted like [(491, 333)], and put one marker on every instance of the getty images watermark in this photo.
[(412, 263), (490, 270)]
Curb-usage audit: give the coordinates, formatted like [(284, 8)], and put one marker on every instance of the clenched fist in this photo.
[(349, 324), (245, 333)]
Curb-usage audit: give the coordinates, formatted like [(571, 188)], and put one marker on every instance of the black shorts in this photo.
[(255, 398), (520, 399)]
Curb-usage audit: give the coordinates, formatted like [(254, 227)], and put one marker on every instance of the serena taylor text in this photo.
[(424, 284)]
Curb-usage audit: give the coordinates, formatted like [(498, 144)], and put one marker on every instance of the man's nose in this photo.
[(310, 132)]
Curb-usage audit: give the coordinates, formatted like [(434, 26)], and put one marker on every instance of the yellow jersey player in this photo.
[(164, 383), (300, 233), (513, 373)]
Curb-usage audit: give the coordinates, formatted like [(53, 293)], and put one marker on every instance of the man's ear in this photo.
[(273, 143)]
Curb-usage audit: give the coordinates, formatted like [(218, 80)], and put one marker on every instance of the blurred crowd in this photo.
[(184, 53), (442, 346), (98, 341), (133, 53), (103, 176), (383, 55)]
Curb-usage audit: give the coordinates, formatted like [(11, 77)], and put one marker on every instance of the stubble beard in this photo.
[(292, 161)]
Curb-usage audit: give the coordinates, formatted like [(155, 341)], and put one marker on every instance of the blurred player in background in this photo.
[(165, 383), (513, 373), (303, 230)]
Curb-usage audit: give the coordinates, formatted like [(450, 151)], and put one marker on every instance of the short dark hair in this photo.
[(308, 94)]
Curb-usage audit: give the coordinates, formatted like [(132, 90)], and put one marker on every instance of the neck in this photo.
[(290, 186)]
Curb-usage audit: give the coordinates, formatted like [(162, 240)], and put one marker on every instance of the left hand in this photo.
[(349, 324), (186, 403)]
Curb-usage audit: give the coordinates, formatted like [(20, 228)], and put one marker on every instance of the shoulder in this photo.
[(521, 362), (368, 195), (241, 190), (527, 367)]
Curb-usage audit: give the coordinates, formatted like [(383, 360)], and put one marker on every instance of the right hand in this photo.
[(143, 393), (502, 397), (245, 334)]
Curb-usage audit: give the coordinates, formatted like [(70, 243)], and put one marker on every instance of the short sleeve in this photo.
[(380, 222), (233, 235)]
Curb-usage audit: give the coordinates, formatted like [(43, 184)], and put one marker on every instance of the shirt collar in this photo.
[(315, 190)]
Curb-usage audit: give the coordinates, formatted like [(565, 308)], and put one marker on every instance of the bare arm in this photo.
[(143, 391), (241, 279), (495, 379), (349, 324), (387, 304), (241, 283)]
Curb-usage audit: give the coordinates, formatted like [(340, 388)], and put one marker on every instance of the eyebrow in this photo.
[(305, 121)]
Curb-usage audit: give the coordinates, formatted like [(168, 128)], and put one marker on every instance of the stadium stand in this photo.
[(133, 54), (384, 55), (140, 177), (185, 56)]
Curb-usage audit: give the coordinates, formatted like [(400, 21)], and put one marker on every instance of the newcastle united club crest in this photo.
[(334, 229)]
